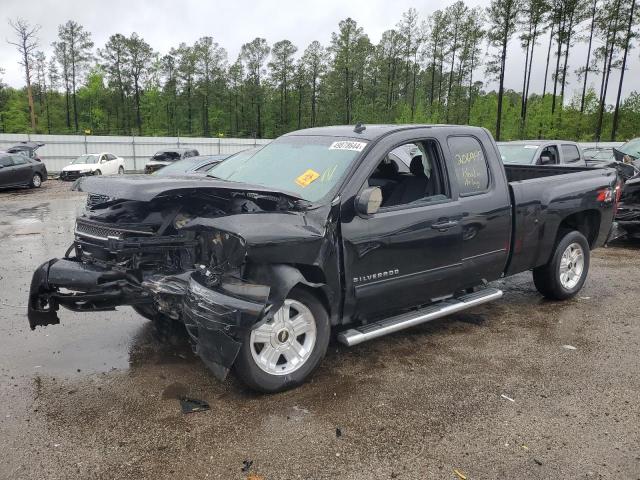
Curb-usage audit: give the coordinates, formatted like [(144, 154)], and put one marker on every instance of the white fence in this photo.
[(59, 150)]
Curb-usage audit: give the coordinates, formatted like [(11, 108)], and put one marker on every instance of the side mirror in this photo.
[(546, 159), (369, 201)]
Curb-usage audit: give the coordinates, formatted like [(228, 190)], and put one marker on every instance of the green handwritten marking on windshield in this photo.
[(327, 175)]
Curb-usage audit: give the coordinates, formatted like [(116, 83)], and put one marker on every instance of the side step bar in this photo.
[(383, 327)]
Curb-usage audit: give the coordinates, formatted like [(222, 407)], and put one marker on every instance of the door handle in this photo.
[(444, 226)]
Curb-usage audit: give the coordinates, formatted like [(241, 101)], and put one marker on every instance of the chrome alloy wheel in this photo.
[(571, 266), (37, 181), (284, 343)]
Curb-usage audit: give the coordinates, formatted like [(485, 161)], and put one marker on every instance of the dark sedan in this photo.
[(199, 164), (17, 170)]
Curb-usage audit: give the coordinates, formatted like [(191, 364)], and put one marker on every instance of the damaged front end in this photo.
[(179, 254)]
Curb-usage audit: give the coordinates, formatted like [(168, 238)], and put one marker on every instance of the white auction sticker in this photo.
[(348, 145), (532, 147)]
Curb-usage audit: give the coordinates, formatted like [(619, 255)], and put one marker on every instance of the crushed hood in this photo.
[(145, 188)]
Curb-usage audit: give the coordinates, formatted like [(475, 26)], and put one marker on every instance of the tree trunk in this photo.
[(526, 92), (616, 112), (546, 71), (555, 78), (138, 117), (586, 67), (605, 74), (501, 88), (524, 83)]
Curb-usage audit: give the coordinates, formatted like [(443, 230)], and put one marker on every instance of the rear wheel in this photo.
[(36, 181), (566, 272), (283, 352), (97, 172)]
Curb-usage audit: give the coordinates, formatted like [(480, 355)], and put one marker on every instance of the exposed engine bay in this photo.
[(168, 259)]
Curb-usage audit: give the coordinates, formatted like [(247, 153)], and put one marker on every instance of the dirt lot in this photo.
[(493, 393)]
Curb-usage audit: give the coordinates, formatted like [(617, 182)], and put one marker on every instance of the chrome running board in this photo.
[(383, 327)]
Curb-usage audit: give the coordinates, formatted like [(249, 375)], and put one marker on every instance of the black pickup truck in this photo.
[(366, 230)]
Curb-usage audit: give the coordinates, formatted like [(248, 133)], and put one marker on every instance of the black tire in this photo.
[(257, 379), (121, 171), (97, 172), (36, 181), (547, 277)]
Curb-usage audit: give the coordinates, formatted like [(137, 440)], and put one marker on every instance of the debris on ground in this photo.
[(338, 432), (253, 476), (459, 474), (246, 465), (507, 398), (192, 405), (569, 347), (537, 461)]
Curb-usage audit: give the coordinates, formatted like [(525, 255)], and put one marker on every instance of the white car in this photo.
[(93, 164)]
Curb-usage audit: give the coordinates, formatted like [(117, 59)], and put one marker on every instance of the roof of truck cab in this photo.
[(372, 132)]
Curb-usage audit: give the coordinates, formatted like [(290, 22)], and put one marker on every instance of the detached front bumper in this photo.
[(217, 319), (86, 288)]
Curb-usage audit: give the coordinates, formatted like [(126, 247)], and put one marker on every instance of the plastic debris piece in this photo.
[(537, 461), (569, 347), (338, 432), (246, 465), (507, 398), (459, 474), (192, 405), (253, 476), (525, 447)]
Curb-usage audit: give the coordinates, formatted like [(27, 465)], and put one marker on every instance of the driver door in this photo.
[(22, 169), (405, 254)]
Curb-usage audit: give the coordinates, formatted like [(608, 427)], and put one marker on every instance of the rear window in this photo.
[(470, 165), (570, 153)]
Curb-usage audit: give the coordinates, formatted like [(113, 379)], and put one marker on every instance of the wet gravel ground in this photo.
[(492, 393)]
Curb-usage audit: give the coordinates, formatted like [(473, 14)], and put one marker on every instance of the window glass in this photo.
[(6, 161), (517, 154), (469, 164), (308, 166), (550, 152), (19, 160), (410, 173), (570, 153)]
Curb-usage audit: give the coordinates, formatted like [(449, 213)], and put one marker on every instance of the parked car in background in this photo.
[(28, 149), (93, 164), (542, 152), (166, 157), (199, 164), (17, 170)]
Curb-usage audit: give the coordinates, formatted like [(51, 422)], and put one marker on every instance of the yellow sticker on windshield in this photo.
[(307, 177)]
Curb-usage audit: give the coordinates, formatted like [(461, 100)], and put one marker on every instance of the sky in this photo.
[(164, 24)]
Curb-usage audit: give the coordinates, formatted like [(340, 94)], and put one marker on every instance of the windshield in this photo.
[(166, 156), (86, 158), (309, 166), (518, 154)]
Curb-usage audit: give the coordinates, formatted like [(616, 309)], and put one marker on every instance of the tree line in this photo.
[(423, 70)]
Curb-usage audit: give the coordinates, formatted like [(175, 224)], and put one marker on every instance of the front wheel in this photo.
[(283, 352), (97, 172), (121, 171), (566, 272), (36, 181)]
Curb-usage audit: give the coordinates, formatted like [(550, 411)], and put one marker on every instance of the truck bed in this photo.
[(519, 173), (542, 196)]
